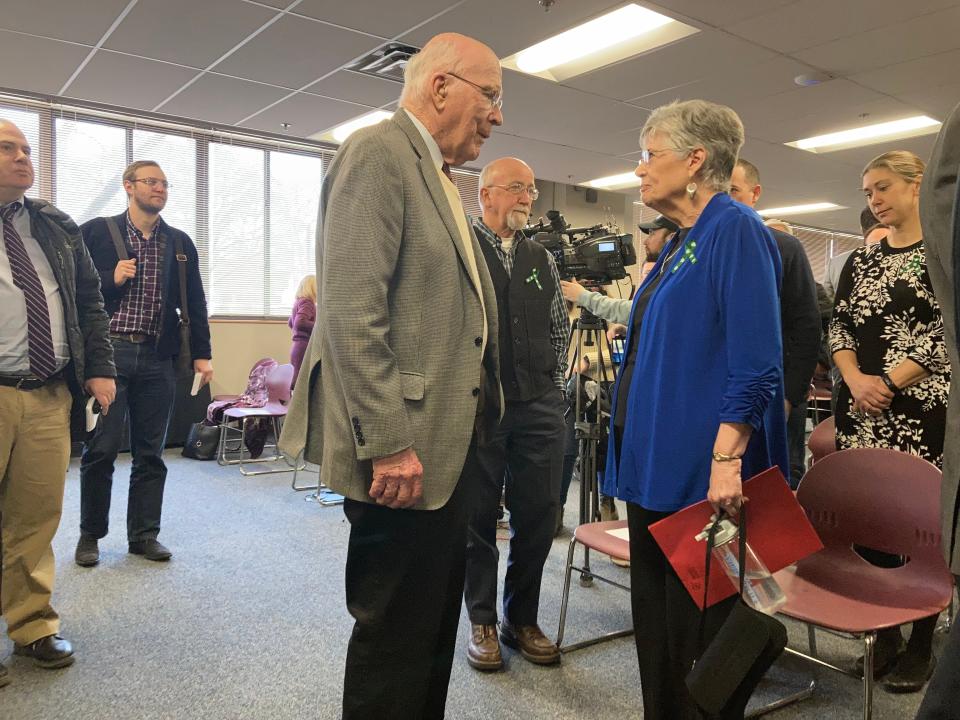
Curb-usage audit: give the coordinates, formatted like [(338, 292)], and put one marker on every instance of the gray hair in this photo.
[(699, 123), (438, 55)]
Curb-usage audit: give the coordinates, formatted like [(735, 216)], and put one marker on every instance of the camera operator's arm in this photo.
[(559, 328), (608, 308)]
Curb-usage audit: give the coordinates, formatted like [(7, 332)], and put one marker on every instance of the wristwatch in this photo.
[(889, 383), (722, 457)]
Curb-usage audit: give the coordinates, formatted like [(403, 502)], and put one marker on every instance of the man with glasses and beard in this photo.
[(526, 451), (141, 294)]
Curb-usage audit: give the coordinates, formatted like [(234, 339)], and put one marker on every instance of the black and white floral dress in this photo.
[(885, 311)]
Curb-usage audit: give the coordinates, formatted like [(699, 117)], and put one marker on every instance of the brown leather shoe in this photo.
[(531, 642), (483, 650), (48, 652)]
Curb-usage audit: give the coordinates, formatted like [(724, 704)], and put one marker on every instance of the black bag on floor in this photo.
[(747, 644), (202, 442)]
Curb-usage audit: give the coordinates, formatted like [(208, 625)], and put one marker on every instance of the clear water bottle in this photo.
[(760, 590)]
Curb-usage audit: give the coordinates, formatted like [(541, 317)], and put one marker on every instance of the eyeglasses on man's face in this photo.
[(153, 182), (518, 188), (494, 97)]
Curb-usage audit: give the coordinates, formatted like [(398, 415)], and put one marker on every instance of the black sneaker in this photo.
[(151, 549), (48, 652), (88, 553)]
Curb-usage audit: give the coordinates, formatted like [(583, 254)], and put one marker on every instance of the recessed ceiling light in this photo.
[(622, 33), (345, 130), (613, 182), (869, 134), (801, 209)]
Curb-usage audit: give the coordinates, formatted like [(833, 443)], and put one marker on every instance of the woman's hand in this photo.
[(870, 394), (726, 486)]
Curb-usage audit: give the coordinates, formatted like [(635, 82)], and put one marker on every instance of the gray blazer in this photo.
[(395, 356), (940, 216)]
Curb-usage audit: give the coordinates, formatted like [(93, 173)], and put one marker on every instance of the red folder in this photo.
[(779, 532)]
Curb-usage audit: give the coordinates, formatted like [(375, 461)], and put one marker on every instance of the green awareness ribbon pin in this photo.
[(688, 254), (534, 277)]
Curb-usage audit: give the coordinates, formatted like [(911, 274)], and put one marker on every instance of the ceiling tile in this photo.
[(128, 81), (79, 22), (36, 64), (222, 99), (286, 53), (908, 40), (508, 26), (306, 114), (927, 72), (386, 19), (186, 31), (809, 23), (718, 14), (936, 102), (358, 88)]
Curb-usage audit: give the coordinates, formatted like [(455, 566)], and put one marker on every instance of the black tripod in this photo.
[(586, 331)]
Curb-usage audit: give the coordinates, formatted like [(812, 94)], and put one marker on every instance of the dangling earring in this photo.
[(692, 189)]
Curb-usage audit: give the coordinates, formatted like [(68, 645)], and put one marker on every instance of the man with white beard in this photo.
[(526, 450)]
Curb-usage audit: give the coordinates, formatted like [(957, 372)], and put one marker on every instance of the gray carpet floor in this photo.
[(248, 621)]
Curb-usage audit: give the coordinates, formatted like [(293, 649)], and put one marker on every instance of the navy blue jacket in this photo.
[(97, 237)]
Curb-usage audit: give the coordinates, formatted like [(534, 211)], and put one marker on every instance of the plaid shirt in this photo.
[(140, 307), (559, 320)]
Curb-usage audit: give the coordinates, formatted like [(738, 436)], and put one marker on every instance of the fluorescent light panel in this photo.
[(613, 182), (345, 130), (869, 134), (800, 209), (620, 34)]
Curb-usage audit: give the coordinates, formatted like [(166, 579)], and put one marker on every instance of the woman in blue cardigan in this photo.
[(698, 406)]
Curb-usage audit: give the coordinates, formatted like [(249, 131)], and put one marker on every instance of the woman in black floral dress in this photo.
[(886, 337)]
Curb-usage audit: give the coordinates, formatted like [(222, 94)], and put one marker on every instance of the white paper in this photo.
[(92, 417), (620, 533), (197, 378)]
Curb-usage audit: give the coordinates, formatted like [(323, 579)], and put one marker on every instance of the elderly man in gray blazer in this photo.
[(940, 216), (401, 374)]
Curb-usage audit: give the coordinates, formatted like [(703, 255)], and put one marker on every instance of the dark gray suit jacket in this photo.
[(940, 215), (395, 356)]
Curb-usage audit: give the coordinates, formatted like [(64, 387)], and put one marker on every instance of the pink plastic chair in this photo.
[(235, 420), (881, 499)]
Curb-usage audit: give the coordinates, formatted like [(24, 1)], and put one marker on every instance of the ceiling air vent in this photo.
[(387, 61)]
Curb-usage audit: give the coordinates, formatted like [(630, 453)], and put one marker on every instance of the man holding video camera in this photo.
[(526, 450)]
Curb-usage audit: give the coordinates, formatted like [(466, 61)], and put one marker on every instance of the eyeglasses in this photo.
[(647, 155), (494, 97), (518, 188), (153, 182)]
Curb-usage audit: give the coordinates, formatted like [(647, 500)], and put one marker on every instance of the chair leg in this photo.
[(812, 639), (869, 640), (222, 446), (566, 591)]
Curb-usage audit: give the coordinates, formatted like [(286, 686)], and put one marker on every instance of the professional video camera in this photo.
[(595, 253)]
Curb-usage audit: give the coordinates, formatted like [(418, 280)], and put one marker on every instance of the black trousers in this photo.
[(942, 699), (146, 386), (797, 443), (526, 453), (666, 622), (404, 583)]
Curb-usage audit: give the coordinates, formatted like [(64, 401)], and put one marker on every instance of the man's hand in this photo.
[(615, 330), (124, 270), (104, 390), (397, 480), (571, 290), (205, 368)]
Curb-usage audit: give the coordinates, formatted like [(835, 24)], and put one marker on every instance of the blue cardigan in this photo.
[(709, 351)]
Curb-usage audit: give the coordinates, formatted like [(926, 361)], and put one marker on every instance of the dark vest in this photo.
[(527, 357)]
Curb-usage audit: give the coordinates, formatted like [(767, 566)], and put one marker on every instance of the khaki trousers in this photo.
[(34, 454)]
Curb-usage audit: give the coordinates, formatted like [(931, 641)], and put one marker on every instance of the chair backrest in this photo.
[(882, 499), (278, 384), (823, 439)]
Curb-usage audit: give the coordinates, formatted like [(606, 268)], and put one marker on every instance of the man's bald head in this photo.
[(505, 195), (453, 87), (16, 167)]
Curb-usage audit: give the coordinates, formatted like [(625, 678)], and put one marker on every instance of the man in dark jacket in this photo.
[(53, 343), (142, 296), (799, 320)]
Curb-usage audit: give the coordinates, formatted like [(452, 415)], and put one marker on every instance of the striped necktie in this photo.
[(43, 362)]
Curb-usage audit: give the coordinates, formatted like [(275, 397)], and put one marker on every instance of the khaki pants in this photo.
[(34, 454)]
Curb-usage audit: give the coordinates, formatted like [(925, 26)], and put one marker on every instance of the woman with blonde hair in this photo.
[(886, 337), (301, 321)]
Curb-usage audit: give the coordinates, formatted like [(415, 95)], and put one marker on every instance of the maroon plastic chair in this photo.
[(593, 536), (823, 440), (881, 499), (275, 409), (818, 403)]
